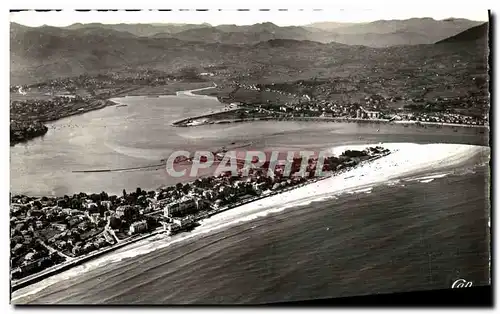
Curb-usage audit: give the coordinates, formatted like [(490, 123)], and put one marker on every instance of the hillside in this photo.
[(472, 34), (140, 30), (235, 35), (38, 54), (384, 33), (327, 26)]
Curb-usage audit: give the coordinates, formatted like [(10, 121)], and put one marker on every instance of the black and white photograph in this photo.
[(247, 156)]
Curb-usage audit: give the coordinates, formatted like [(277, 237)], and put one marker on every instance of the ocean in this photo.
[(416, 233)]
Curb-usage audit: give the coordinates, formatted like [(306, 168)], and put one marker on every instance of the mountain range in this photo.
[(48, 52), (381, 33)]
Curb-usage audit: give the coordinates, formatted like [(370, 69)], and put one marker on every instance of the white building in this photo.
[(106, 204), (138, 227), (183, 206)]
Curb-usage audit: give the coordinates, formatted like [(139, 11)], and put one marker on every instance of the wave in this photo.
[(393, 182), (365, 190), (426, 181), (430, 178)]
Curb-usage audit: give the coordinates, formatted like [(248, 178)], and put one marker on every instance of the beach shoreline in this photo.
[(404, 160)]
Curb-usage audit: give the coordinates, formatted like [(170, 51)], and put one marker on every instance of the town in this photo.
[(34, 104), (326, 100), (50, 231)]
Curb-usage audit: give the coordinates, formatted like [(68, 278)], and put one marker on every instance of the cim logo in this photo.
[(461, 283)]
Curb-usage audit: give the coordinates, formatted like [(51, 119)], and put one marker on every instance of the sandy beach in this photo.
[(190, 92), (406, 160)]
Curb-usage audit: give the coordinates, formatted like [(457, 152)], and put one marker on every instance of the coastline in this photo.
[(303, 191), (405, 159), (26, 281)]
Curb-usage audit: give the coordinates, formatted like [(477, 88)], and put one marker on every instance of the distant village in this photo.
[(34, 104), (374, 107)]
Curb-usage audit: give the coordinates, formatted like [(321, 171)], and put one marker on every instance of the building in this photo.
[(138, 227), (106, 204), (358, 114), (66, 96), (60, 226), (90, 206), (29, 256), (178, 225), (181, 207), (94, 218), (217, 203), (127, 211), (367, 114), (373, 114)]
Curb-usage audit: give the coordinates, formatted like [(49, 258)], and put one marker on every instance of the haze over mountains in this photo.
[(48, 52), (375, 34)]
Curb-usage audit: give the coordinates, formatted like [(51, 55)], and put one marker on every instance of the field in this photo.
[(169, 89), (248, 96), (43, 93)]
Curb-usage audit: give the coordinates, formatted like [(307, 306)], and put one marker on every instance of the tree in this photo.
[(354, 153), (95, 197), (76, 203), (102, 210), (186, 188), (124, 193), (114, 222), (104, 196), (189, 73)]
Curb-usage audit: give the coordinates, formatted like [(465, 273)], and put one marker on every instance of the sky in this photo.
[(216, 17)]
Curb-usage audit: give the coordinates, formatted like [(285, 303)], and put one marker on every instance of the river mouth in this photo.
[(141, 134)]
